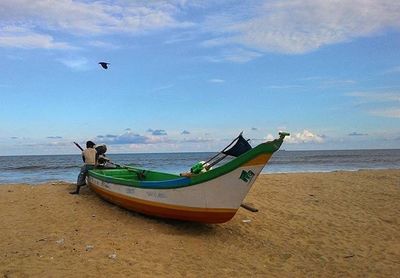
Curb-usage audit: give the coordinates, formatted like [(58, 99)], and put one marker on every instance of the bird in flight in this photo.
[(104, 65)]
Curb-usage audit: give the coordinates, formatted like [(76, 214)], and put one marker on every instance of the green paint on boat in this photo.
[(130, 176)]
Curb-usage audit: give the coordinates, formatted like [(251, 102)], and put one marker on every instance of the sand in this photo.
[(339, 224)]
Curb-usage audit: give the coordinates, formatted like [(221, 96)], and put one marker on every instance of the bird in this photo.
[(104, 65)]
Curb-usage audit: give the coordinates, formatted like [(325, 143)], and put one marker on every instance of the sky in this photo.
[(191, 75)]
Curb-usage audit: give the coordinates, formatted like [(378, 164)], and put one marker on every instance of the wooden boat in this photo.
[(213, 196)]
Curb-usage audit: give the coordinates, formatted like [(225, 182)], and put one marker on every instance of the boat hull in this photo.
[(211, 197), (205, 215), (214, 201)]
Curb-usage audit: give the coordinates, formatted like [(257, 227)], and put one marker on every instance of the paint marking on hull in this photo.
[(206, 215), (259, 160)]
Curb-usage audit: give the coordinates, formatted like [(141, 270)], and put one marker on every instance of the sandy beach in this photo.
[(338, 224)]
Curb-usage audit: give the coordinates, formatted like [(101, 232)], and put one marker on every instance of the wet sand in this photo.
[(339, 224)]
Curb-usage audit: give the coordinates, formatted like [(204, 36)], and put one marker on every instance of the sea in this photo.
[(37, 169)]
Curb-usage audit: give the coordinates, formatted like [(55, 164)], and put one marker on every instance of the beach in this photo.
[(335, 224)]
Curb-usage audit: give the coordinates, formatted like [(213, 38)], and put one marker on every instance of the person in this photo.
[(89, 157)]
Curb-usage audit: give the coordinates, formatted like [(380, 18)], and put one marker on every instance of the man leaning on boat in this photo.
[(89, 157)]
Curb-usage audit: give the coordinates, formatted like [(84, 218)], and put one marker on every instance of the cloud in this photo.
[(197, 140), (393, 112), (91, 17), (393, 96), (305, 136), (354, 133), (41, 23), (182, 37), (330, 82), (54, 137), (300, 26), (216, 80), (392, 70), (163, 88), (158, 136), (128, 137), (104, 45), (107, 136), (20, 37), (52, 144), (380, 104), (269, 137), (157, 132), (283, 87), (254, 129), (244, 31), (237, 55), (76, 64)]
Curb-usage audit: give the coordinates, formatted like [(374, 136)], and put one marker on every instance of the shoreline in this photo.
[(309, 224), (66, 168), (56, 181)]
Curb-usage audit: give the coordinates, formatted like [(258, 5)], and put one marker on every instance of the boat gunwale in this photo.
[(264, 148)]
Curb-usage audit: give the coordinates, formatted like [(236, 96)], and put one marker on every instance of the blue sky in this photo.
[(191, 75)]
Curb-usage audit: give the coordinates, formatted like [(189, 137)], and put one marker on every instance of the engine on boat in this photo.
[(101, 152), (101, 149)]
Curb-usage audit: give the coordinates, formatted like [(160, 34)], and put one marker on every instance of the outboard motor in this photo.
[(101, 150)]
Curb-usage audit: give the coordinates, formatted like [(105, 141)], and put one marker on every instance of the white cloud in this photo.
[(91, 17), (305, 136), (76, 64), (129, 137), (163, 88), (299, 26), (24, 38), (269, 137), (157, 132), (380, 104), (245, 31), (216, 80), (377, 96), (104, 45), (279, 87), (392, 70), (196, 140), (355, 133), (393, 112), (236, 55), (242, 56)]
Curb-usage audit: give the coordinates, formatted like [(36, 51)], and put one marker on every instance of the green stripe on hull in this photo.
[(158, 180)]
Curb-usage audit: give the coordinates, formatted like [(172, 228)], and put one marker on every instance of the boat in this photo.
[(212, 195)]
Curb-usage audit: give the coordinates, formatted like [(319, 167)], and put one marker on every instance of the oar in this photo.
[(76, 144)]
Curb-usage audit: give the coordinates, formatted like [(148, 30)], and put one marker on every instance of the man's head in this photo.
[(90, 144)]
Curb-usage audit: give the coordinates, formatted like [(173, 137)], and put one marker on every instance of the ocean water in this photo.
[(44, 168)]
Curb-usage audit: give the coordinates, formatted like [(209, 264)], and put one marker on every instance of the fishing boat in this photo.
[(208, 194)]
